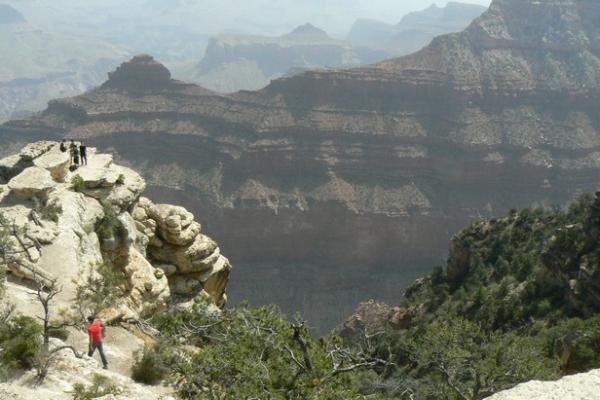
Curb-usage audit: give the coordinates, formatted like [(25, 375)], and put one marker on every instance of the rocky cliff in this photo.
[(332, 187), (63, 223)]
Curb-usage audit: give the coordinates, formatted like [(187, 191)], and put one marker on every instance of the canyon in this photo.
[(332, 187)]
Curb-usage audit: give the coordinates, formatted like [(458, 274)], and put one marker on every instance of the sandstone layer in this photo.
[(333, 187)]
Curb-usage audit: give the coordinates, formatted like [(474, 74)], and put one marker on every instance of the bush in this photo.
[(101, 287), (56, 330), (99, 388), (149, 366), (110, 226), (49, 212), (77, 183), (20, 341)]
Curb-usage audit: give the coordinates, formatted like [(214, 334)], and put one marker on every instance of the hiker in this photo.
[(76, 155), (95, 335), (63, 145), (72, 147), (82, 149)]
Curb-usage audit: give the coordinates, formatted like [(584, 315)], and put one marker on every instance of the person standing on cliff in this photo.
[(72, 148), (76, 156), (95, 340), (82, 150)]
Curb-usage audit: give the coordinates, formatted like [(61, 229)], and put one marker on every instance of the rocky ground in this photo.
[(56, 253), (120, 345), (584, 386)]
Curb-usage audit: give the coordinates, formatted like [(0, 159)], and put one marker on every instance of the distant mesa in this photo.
[(9, 15), (140, 74), (309, 30)]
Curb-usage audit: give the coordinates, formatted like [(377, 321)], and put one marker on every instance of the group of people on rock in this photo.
[(77, 152)]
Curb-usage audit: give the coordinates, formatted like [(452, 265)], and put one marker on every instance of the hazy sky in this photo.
[(393, 10), (334, 16), (211, 17), (323, 12)]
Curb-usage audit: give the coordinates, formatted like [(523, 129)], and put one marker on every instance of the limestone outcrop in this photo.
[(574, 387), (58, 222)]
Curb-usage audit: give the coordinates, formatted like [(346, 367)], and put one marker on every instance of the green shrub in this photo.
[(149, 366), (120, 179), (49, 212), (100, 289), (77, 183), (58, 331), (20, 341), (110, 226), (100, 387)]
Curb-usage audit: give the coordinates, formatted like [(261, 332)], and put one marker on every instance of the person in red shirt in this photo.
[(95, 335)]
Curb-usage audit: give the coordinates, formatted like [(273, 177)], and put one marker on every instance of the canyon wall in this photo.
[(336, 186)]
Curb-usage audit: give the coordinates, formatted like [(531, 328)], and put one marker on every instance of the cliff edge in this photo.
[(100, 216)]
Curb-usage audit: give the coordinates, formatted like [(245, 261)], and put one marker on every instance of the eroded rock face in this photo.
[(364, 174), (57, 250), (190, 260)]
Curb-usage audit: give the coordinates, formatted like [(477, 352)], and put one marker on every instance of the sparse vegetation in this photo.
[(49, 212), (77, 183), (120, 179), (101, 386), (110, 226), (149, 367), (100, 287)]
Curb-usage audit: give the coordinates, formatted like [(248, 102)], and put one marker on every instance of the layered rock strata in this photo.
[(337, 186)]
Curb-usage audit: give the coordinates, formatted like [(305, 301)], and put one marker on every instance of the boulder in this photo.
[(572, 387), (127, 189), (32, 182), (199, 256), (57, 163), (34, 150), (98, 177), (146, 287), (11, 166), (176, 225)]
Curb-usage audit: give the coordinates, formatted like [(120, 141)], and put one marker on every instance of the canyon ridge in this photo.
[(332, 187)]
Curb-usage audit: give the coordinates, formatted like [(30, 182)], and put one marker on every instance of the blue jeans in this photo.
[(98, 345)]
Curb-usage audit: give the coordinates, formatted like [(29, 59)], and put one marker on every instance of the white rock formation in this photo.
[(584, 386), (158, 247)]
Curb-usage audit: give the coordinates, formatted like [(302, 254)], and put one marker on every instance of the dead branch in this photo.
[(303, 346)]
